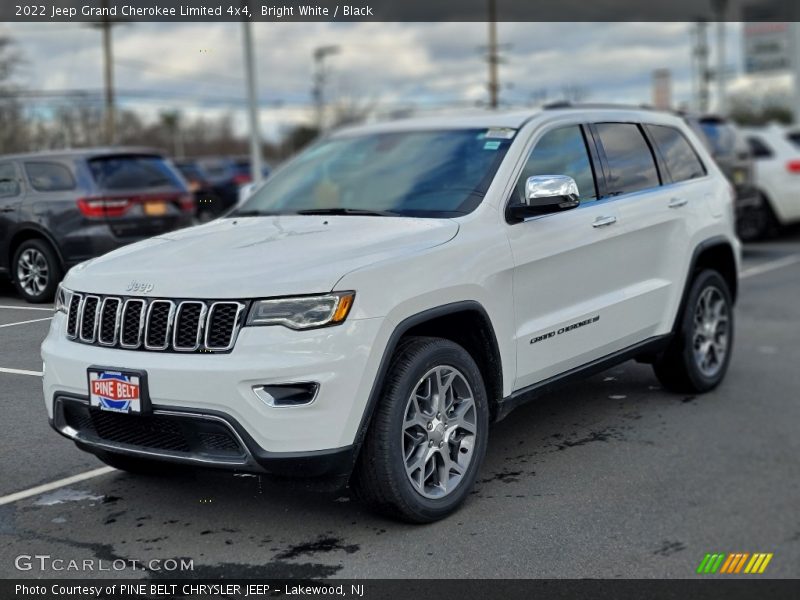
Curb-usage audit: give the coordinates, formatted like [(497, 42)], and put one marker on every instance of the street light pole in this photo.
[(492, 55), (318, 89), (252, 103)]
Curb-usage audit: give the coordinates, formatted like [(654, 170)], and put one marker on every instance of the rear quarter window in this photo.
[(132, 172), (682, 160), (49, 177)]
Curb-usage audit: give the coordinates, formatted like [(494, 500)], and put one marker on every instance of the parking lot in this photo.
[(610, 477)]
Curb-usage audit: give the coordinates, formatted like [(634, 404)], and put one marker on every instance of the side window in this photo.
[(561, 151), (49, 177), (682, 161), (9, 184), (758, 147), (630, 161)]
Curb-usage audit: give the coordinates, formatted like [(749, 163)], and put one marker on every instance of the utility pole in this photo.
[(318, 88), (492, 56), (720, 7), (701, 60), (252, 103), (105, 26), (794, 46)]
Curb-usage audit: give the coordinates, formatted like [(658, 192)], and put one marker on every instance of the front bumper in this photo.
[(193, 438), (219, 387)]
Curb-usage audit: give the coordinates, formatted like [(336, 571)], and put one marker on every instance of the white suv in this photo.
[(395, 289)]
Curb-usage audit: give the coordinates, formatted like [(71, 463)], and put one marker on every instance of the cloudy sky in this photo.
[(197, 67)]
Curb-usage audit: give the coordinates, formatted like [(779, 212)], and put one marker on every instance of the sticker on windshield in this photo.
[(491, 145), (500, 133)]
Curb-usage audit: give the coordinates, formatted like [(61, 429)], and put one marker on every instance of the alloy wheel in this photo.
[(32, 272), (711, 331)]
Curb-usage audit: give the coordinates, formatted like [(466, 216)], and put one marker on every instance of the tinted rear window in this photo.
[(49, 177), (682, 161), (794, 137), (130, 172), (758, 147), (721, 137), (630, 162)]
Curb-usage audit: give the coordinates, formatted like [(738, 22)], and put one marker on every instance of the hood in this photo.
[(257, 256)]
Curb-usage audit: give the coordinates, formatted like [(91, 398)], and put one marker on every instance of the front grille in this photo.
[(176, 434), (154, 324)]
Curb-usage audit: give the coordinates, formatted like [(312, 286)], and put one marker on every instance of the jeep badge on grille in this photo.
[(135, 286)]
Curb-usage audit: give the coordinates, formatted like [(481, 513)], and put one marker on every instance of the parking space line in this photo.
[(11, 306), (54, 485), (25, 322), (770, 266), (20, 372)]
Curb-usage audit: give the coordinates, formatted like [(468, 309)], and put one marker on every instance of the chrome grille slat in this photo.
[(155, 325)]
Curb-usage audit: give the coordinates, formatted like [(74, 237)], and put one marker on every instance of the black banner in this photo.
[(397, 10), (731, 588)]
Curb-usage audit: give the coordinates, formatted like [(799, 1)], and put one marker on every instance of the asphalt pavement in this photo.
[(610, 477)]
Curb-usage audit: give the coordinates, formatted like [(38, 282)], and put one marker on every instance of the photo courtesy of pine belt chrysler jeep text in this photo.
[(392, 291)]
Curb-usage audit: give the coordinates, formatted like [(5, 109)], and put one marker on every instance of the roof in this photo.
[(83, 152), (511, 119)]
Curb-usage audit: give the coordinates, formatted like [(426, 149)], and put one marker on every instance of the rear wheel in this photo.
[(36, 271), (428, 436), (698, 357)]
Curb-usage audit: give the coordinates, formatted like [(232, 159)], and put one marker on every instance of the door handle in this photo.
[(603, 221), (678, 202)]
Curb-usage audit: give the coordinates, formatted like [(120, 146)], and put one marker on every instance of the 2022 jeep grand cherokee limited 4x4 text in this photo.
[(393, 290)]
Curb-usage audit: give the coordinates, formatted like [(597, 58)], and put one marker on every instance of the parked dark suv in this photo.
[(63, 207)]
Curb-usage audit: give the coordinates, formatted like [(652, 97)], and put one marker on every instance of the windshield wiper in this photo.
[(347, 211)]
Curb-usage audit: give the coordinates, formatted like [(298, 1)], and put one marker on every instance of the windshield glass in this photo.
[(409, 173)]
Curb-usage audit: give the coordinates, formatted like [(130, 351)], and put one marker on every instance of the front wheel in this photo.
[(428, 436), (698, 357)]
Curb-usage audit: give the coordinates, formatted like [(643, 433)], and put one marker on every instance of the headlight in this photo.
[(63, 296), (303, 312)]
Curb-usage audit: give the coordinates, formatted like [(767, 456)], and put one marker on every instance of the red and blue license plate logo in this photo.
[(115, 391)]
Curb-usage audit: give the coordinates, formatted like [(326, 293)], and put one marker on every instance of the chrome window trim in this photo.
[(236, 324), (142, 317), (83, 317), (201, 325), (117, 321), (170, 317)]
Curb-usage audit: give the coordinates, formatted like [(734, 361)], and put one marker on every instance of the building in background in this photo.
[(662, 89)]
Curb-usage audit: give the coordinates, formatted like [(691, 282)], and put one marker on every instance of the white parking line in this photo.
[(770, 266), (20, 372), (54, 485), (11, 306), (24, 322)]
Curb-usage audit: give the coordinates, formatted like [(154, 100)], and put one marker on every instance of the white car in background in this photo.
[(776, 152)]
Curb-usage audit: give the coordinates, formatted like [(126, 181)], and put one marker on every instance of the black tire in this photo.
[(53, 265), (756, 222), (140, 466), (678, 369), (380, 479)]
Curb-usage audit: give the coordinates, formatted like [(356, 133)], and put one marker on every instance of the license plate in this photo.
[(155, 209), (118, 390), (739, 177)]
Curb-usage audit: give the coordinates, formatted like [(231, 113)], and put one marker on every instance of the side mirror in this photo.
[(546, 194)]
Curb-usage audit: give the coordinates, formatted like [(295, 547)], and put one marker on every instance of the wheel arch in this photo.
[(466, 323), (31, 232)]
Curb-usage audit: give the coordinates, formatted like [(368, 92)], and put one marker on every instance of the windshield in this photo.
[(409, 173)]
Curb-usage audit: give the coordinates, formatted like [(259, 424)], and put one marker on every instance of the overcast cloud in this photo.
[(196, 67)]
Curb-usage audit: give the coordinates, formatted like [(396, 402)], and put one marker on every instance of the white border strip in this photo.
[(54, 485), (20, 372), (25, 322), (770, 266)]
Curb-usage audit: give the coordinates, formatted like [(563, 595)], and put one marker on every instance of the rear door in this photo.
[(11, 194), (659, 184), (139, 195)]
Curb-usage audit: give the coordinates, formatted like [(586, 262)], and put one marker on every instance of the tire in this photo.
[(757, 222), (36, 271), (417, 431), (697, 359), (139, 466)]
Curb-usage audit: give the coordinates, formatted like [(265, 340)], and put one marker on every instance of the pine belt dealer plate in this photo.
[(118, 390)]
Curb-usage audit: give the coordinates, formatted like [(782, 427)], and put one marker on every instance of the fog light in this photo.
[(287, 394)]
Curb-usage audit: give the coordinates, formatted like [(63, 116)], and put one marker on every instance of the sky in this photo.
[(197, 67)]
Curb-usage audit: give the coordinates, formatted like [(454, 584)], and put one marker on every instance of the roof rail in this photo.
[(567, 104)]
